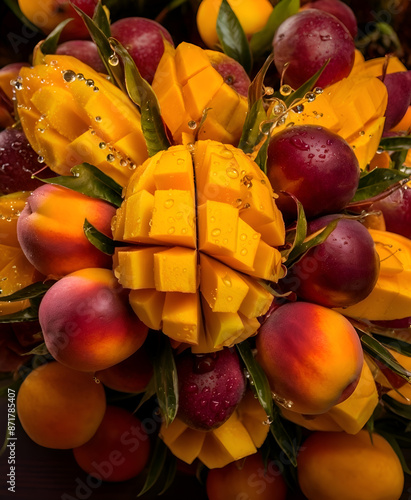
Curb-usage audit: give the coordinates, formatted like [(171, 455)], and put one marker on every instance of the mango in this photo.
[(391, 296), (52, 237), (87, 321), (190, 217), (187, 85), (312, 357), (71, 114)]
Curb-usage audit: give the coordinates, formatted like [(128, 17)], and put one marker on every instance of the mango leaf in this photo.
[(98, 239), (49, 45), (101, 19), (396, 143), (28, 314), (398, 159), (261, 42), (401, 409), (397, 345), (89, 180), (171, 468), (305, 87), (261, 158), (166, 383), (376, 182), (298, 251), (114, 70), (143, 95), (29, 292), (232, 37), (377, 351), (156, 466), (283, 438), (258, 378), (251, 134)]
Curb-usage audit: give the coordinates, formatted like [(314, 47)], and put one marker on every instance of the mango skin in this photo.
[(50, 230), (87, 322), (311, 356)]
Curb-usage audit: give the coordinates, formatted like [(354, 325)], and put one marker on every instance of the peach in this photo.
[(51, 235), (59, 407), (118, 451), (87, 322), (312, 356), (340, 466), (131, 375)]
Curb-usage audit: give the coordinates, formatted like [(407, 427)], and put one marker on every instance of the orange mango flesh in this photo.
[(16, 272), (186, 85), (352, 108), (193, 263), (71, 114), (238, 437), (391, 295)]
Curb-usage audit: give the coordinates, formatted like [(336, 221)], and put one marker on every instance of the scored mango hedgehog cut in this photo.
[(202, 227)]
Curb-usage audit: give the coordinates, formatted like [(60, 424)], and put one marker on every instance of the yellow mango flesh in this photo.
[(187, 85), (192, 257), (81, 117), (391, 296), (237, 438)]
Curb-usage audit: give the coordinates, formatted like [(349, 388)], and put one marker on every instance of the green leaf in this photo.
[(101, 19), (156, 466), (258, 378), (395, 143), (98, 239), (299, 94), (377, 351), (261, 158), (397, 160), (252, 134), (261, 42), (166, 383), (232, 37), (29, 292), (89, 180), (376, 182), (171, 468), (400, 409), (49, 45), (397, 345), (40, 350), (143, 95), (283, 438), (115, 71), (29, 314)]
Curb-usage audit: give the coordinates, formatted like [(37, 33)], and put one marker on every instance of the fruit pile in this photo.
[(205, 248)]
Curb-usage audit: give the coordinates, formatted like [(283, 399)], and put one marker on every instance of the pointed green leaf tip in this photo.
[(142, 94), (232, 37)]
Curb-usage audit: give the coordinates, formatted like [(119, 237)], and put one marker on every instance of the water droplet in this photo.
[(169, 203), (326, 37), (243, 237), (96, 89), (80, 76), (238, 202), (132, 166), (40, 159), (205, 363), (246, 180), (216, 232), (268, 91), (285, 90), (18, 85), (318, 90), (123, 163), (362, 132), (227, 281), (225, 153), (102, 145), (96, 380), (299, 143), (232, 172), (299, 108), (192, 125), (268, 421), (98, 119), (310, 96), (90, 82), (180, 161), (69, 76), (244, 251), (113, 60), (229, 298), (110, 158), (171, 230)]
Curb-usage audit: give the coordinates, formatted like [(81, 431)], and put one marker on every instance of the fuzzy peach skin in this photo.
[(87, 322), (50, 230), (312, 356), (59, 407)]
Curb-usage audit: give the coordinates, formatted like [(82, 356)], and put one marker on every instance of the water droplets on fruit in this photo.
[(310, 96), (40, 159), (247, 181), (227, 280), (90, 82), (299, 108), (326, 37), (113, 60), (299, 143), (216, 232), (110, 158), (318, 90), (192, 125), (205, 363), (102, 145), (285, 90), (268, 421), (232, 172), (69, 76), (80, 76), (169, 203), (98, 119)]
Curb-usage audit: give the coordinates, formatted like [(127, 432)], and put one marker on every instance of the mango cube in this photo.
[(217, 227), (175, 270), (148, 305), (182, 317)]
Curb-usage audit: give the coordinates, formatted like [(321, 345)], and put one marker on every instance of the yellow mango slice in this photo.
[(222, 327), (365, 145), (213, 454), (173, 219), (267, 262), (175, 270), (217, 227), (182, 316), (221, 286), (132, 146), (148, 305), (254, 418), (257, 301), (55, 149), (175, 171), (190, 60), (188, 445), (391, 296), (138, 210), (133, 266), (11, 205), (143, 177)]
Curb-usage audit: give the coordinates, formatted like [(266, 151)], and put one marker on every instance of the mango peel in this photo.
[(195, 257)]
